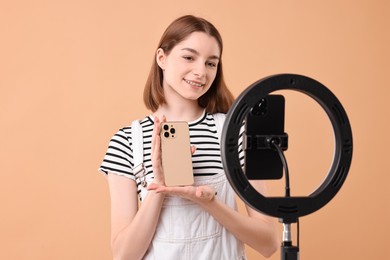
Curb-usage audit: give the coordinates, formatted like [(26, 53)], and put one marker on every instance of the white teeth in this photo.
[(193, 83)]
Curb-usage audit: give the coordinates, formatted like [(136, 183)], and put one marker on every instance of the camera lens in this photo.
[(166, 127), (260, 108), (166, 134), (172, 130)]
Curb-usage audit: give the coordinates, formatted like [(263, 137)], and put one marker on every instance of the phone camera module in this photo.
[(260, 108)]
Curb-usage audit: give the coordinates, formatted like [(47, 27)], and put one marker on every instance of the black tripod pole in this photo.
[(288, 251)]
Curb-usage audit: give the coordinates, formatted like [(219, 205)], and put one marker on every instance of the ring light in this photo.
[(289, 209)]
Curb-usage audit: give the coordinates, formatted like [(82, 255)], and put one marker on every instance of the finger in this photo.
[(157, 147), (178, 191), (199, 193), (156, 136), (205, 192), (157, 188), (193, 149), (156, 127), (152, 186)]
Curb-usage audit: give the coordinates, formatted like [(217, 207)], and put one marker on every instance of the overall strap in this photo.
[(138, 152), (219, 121)]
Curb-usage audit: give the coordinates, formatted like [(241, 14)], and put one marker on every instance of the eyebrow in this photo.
[(213, 57)]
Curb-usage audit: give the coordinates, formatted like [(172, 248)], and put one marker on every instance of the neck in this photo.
[(178, 108), (179, 112)]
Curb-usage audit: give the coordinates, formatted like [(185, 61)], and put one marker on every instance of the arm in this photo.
[(257, 230), (127, 222), (133, 228)]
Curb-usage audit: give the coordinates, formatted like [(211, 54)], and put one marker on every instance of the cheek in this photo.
[(211, 76), (169, 76)]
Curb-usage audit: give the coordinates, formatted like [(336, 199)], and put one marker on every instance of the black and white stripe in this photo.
[(206, 160)]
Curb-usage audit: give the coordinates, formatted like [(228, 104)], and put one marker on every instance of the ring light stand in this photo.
[(287, 209)]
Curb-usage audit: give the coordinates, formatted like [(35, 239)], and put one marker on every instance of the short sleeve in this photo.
[(241, 153), (119, 156)]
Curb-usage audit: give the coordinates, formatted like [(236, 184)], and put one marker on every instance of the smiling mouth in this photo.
[(194, 83)]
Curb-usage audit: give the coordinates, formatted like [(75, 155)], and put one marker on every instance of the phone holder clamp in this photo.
[(266, 141)]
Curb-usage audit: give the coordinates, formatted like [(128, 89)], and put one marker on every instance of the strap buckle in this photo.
[(139, 172)]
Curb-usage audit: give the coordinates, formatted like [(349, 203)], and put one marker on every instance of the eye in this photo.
[(188, 58), (212, 64)]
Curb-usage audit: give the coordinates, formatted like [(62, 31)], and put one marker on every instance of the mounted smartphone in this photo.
[(176, 154), (265, 119)]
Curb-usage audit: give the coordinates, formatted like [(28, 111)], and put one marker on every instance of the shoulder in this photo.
[(216, 119), (219, 119), (219, 116), (215, 116), (124, 134), (145, 123)]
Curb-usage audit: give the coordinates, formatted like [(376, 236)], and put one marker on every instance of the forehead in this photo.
[(201, 42)]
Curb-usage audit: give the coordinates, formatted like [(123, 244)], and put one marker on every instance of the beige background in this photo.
[(72, 73)]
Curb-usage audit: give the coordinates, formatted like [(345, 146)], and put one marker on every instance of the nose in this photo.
[(199, 69)]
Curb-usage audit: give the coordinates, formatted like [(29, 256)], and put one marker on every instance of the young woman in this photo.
[(192, 222)]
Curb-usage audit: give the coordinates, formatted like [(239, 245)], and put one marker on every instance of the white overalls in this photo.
[(185, 231)]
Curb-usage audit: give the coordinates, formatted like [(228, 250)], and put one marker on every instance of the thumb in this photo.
[(193, 149), (152, 186)]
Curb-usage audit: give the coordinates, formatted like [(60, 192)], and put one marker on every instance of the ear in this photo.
[(160, 58)]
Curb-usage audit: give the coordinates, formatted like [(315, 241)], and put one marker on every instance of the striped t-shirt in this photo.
[(203, 134)]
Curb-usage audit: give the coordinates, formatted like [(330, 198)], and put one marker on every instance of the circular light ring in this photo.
[(287, 208)]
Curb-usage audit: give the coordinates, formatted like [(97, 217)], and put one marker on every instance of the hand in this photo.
[(156, 151), (197, 194)]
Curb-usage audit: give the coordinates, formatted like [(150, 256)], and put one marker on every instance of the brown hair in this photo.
[(218, 98)]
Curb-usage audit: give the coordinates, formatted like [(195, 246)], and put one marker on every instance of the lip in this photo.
[(194, 83)]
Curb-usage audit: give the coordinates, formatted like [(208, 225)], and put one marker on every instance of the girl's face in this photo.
[(190, 68)]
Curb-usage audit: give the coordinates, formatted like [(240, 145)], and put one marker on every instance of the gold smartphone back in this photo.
[(176, 154)]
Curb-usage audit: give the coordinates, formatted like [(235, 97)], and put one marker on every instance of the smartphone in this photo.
[(176, 154), (264, 119)]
